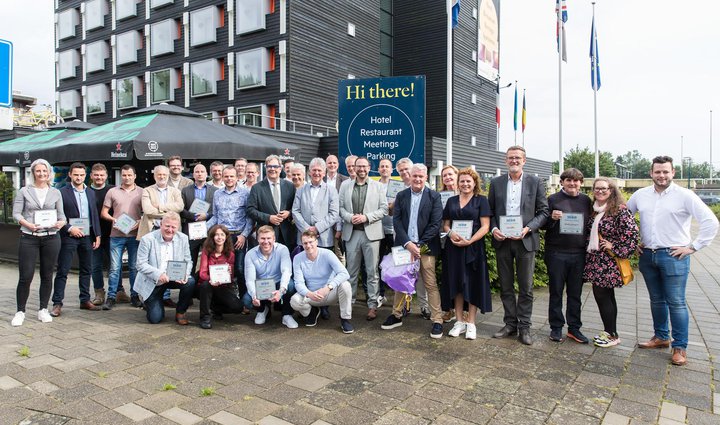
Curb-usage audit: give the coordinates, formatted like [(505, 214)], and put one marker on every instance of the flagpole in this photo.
[(449, 94), (682, 162), (711, 165), (522, 119), (515, 115), (561, 47), (597, 154)]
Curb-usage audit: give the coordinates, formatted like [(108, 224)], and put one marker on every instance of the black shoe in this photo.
[(346, 326), (311, 319), (556, 335), (108, 304), (505, 332), (436, 331), (135, 301), (169, 303), (577, 336), (425, 313), (524, 337), (391, 322), (325, 312), (206, 322), (217, 316)]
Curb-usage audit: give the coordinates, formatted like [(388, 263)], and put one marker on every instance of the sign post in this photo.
[(6, 56), (382, 118)]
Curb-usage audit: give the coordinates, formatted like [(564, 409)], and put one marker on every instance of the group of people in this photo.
[(299, 245)]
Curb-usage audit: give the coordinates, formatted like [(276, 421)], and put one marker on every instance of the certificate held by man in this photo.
[(199, 207), (81, 223), (264, 289), (197, 230), (125, 223), (394, 187), (176, 271), (401, 256), (572, 224), (511, 225)]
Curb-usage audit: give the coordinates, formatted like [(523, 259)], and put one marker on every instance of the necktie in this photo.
[(276, 195)]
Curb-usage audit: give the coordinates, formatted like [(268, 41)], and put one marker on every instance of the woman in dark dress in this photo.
[(465, 272), (612, 230)]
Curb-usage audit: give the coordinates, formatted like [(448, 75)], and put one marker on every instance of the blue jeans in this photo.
[(69, 246), (154, 303), (284, 300), (666, 278), (117, 245)]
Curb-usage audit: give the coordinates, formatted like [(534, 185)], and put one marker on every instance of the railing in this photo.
[(6, 208), (267, 121)]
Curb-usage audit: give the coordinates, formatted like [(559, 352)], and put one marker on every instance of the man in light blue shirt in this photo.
[(320, 280)]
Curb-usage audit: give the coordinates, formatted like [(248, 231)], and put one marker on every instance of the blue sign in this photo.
[(381, 118), (6, 54)]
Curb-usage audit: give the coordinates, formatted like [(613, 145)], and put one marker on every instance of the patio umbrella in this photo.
[(161, 131), (23, 150)]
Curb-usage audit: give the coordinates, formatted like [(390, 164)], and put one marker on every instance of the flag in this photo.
[(497, 103), (594, 58), (524, 113), (515, 112), (560, 27), (455, 13)]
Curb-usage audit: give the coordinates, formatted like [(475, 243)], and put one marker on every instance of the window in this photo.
[(251, 115), (67, 64), (250, 15), (157, 3), (203, 24), (96, 96), (67, 21), (127, 46), (127, 92), (95, 55), (251, 66), (162, 86), (68, 102), (162, 37), (125, 9), (95, 11), (204, 77)]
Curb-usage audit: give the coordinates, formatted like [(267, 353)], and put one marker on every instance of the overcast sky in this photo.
[(659, 61)]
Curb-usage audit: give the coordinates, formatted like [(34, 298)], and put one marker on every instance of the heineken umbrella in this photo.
[(159, 132), (23, 151)]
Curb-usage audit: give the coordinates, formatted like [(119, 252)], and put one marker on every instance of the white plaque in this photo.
[(264, 289), (197, 230), (125, 223), (572, 223), (220, 273), (444, 196), (401, 256), (463, 228), (176, 270), (511, 225), (394, 187), (45, 218), (199, 207), (81, 223)]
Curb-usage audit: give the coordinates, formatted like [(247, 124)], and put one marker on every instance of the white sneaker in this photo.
[(44, 316), (261, 316), (380, 301), (18, 319), (470, 331), (458, 328), (288, 321)]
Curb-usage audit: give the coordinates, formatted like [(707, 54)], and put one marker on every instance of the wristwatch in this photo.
[(330, 286)]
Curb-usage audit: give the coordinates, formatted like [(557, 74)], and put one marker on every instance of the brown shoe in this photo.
[(169, 303), (87, 305), (679, 356), (99, 297), (655, 342), (372, 314), (122, 297), (56, 310), (448, 316), (181, 319)]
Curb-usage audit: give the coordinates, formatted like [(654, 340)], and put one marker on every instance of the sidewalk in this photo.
[(112, 367)]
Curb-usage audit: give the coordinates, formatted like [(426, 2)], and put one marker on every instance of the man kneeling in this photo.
[(163, 262), (268, 269), (320, 280)]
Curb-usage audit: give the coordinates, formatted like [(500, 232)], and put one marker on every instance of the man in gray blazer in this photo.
[(521, 197), (156, 250), (270, 202), (362, 206), (204, 192), (316, 206)]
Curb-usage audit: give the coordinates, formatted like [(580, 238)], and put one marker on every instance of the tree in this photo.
[(584, 160), (637, 165)]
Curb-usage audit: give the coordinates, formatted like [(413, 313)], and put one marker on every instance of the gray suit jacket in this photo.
[(375, 208), (149, 257), (533, 207), (323, 213), (188, 196)]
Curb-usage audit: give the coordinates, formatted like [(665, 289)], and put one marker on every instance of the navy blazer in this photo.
[(72, 210), (428, 221)]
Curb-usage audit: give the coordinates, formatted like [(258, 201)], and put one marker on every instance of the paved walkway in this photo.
[(112, 367)]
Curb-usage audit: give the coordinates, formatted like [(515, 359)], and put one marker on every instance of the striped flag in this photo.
[(497, 103), (524, 113), (594, 58), (560, 27), (515, 112), (455, 13)]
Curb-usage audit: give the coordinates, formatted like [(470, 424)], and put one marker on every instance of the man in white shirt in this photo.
[(666, 211), (175, 164)]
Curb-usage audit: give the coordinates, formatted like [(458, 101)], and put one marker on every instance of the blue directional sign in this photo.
[(6, 56), (381, 118)]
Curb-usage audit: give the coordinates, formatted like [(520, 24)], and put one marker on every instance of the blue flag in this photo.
[(594, 58), (455, 13)]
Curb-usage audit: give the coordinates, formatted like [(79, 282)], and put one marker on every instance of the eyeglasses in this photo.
[(601, 189), (272, 167), (514, 158)]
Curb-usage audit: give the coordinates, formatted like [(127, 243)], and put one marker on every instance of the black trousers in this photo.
[(220, 299), (29, 248), (565, 271), (605, 299), (512, 255), (68, 247)]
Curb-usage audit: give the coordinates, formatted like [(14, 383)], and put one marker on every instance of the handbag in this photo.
[(624, 267)]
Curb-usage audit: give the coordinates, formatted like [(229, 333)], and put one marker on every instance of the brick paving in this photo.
[(112, 367)]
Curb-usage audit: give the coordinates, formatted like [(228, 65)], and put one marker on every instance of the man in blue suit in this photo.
[(81, 234), (417, 216)]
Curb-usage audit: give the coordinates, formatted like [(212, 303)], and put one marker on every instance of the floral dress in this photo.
[(621, 230)]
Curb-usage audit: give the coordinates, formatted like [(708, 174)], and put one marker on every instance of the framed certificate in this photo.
[(444, 196), (197, 230), (199, 207), (511, 225), (264, 289), (81, 223), (125, 223), (401, 256), (45, 218), (220, 273), (572, 223), (463, 228), (176, 270), (394, 187)]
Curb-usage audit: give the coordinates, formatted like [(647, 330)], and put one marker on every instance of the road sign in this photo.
[(6, 57)]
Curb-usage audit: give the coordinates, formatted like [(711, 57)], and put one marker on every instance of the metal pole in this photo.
[(682, 161), (711, 165), (597, 154), (449, 94), (561, 161)]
